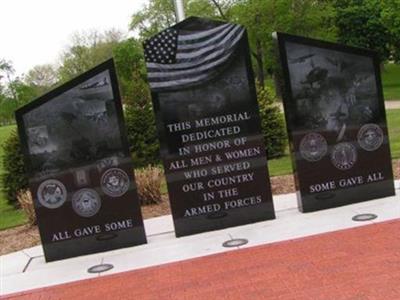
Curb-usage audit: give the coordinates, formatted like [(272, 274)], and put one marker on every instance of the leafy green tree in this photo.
[(14, 177), (272, 123), (139, 116), (130, 65), (24, 92), (391, 19), (157, 15), (42, 77), (360, 24), (14, 93), (88, 49), (7, 71), (262, 17), (142, 134), (7, 108)]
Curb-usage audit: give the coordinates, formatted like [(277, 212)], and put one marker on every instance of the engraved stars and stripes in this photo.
[(177, 59), (162, 48)]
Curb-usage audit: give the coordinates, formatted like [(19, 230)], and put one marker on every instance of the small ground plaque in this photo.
[(336, 121), (209, 127), (81, 175)]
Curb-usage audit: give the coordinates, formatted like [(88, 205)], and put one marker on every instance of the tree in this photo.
[(157, 15), (153, 17), (14, 93), (391, 19), (262, 17), (272, 123), (42, 77), (130, 65), (360, 24), (88, 49), (24, 93), (139, 116), (14, 177), (6, 71)]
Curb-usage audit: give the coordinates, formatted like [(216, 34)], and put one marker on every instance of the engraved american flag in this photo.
[(176, 58)]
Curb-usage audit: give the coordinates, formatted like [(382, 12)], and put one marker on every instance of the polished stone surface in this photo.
[(336, 122), (209, 127), (81, 174)]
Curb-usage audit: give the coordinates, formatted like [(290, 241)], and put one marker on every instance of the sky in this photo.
[(35, 32)]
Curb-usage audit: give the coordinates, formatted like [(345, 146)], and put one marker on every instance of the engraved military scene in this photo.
[(78, 126), (337, 125), (334, 93)]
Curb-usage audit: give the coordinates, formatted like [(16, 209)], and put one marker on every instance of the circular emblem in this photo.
[(115, 182), (86, 202), (52, 193), (370, 137), (344, 156), (313, 147)]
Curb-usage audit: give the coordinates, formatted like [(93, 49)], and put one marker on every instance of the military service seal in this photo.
[(313, 147), (370, 137), (114, 182), (52, 193), (344, 156), (86, 202)]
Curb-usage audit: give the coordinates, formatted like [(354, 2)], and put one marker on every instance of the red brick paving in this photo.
[(356, 264)]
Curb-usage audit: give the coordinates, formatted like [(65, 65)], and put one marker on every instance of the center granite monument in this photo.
[(81, 175), (336, 121), (208, 122)]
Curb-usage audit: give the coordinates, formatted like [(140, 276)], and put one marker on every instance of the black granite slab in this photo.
[(336, 121), (209, 126), (81, 175)]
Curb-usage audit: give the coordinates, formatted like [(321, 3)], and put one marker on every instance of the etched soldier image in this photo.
[(39, 142), (81, 125), (332, 90), (336, 121)]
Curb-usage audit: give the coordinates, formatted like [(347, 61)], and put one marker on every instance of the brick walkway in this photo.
[(355, 264)]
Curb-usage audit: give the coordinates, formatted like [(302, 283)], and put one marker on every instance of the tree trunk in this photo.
[(260, 65)]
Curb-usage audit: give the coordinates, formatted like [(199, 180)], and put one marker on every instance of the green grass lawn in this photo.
[(393, 117), (391, 82), (9, 216), (280, 166)]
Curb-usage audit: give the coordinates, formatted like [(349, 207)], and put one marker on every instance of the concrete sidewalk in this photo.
[(26, 270), (393, 104)]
